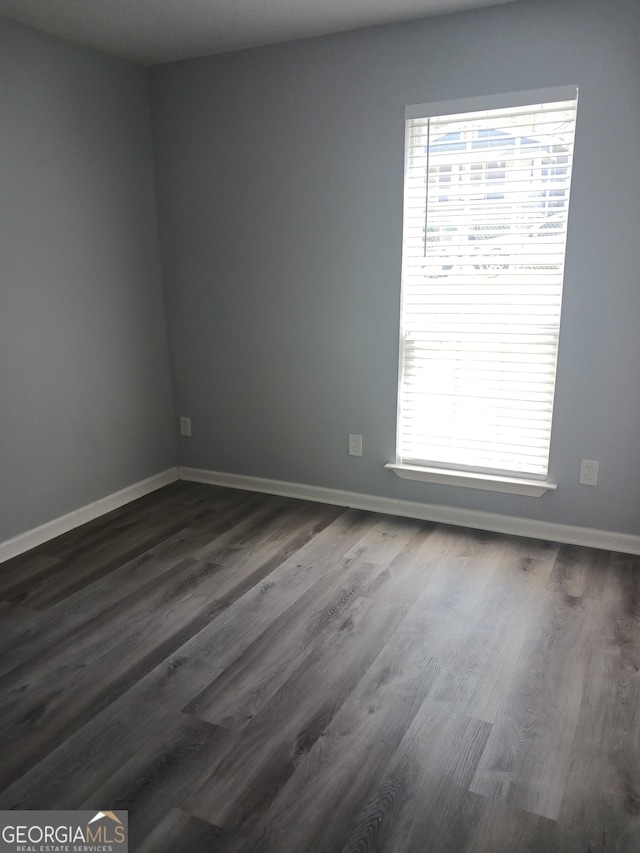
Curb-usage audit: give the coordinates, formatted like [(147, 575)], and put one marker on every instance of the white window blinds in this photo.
[(485, 221)]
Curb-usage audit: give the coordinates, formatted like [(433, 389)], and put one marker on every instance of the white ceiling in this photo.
[(153, 31)]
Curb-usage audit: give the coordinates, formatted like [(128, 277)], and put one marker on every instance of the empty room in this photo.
[(320, 426)]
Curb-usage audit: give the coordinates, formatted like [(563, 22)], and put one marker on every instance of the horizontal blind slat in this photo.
[(486, 203)]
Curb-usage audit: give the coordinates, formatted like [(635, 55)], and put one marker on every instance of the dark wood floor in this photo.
[(252, 673)]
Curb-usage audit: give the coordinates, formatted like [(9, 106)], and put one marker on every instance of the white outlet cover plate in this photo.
[(355, 445), (185, 426), (589, 472)]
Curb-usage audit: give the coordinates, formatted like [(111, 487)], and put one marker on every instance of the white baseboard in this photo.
[(609, 540), (32, 538), (572, 535)]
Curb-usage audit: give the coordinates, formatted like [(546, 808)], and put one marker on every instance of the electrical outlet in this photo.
[(589, 472), (355, 445), (185, 427)]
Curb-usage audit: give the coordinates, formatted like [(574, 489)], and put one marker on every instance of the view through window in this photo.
[(485, 223)]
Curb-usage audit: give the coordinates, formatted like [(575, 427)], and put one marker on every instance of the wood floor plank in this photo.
[(478, 667), (96, 752), (83, 562), (6, 664), (237, 790), (180, 678), (132, 757), (385, 540), (32, 635), (354, 750), (602, 796), (44, 706), (154, 625), (16, 573), (71, 575), (445, 592), (405, 577), (82, 647), (180, 831), (262, 542), (350, 681), (489, 826), (609, 705), (527, 757), (12, 618), (84, 612), (160, 774), (236, 696), (185, 498), (600, 807), (418, 799)]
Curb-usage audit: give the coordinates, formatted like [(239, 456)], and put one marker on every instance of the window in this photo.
[(486, 201)]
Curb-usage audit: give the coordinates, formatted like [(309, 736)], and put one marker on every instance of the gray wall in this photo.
[(280, 186), (280, 182), (85, 395)]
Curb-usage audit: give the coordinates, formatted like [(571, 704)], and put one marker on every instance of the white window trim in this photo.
[(472, 480), (454, 477), (492, 102)]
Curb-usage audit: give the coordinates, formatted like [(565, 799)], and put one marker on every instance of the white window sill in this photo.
[(470, 480)]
